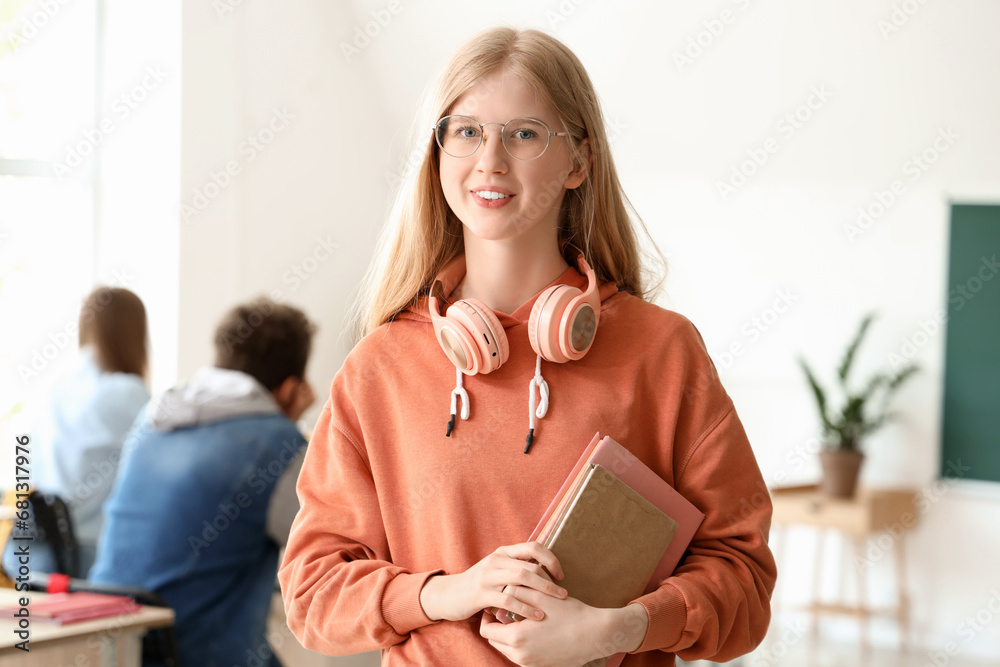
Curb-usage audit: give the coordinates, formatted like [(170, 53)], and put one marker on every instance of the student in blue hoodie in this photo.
[(188, 517)]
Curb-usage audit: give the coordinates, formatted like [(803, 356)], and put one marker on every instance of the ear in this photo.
[(284, 393), (294, 396), (582, 164)]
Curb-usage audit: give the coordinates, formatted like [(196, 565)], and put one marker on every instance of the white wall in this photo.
[(680, 130), (137, 228)]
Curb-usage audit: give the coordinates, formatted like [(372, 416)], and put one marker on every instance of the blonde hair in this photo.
[(422, 234)]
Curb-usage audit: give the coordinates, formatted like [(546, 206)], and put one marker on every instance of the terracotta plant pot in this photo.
[(840, 472)]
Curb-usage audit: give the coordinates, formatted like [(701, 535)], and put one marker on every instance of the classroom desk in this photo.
[(889, 512), (103, 642)]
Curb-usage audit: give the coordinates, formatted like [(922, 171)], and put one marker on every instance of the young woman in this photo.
[(83, 426), (515, 266)]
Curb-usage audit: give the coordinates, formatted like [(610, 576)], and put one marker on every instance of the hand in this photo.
[(456, 597), (572, 633)]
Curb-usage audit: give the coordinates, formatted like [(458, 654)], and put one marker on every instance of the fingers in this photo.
[(509, 600), (534, 551), (489, 626), (492, 631), (531, 597), (531, 575)]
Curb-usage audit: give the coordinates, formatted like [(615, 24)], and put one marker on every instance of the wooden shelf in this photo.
[(870, 511)]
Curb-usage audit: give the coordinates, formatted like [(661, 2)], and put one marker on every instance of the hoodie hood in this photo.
[(213, 394)]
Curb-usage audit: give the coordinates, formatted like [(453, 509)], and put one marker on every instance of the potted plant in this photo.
[(863, 412)]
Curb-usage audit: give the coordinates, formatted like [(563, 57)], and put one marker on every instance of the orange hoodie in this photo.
[(388, 500)]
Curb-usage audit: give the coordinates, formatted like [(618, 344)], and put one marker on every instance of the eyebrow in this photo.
[(532, 116)]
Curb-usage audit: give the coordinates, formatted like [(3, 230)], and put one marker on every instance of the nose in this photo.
[(492, 157)]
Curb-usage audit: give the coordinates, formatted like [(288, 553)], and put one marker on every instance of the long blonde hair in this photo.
[(423, 234)]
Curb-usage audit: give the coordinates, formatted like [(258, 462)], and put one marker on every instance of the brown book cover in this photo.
[(609, 540), (605, 452)]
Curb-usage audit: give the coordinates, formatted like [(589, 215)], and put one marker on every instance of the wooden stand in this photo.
[(885, 511)]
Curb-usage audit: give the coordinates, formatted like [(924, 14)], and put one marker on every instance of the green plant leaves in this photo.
[(857, 417)]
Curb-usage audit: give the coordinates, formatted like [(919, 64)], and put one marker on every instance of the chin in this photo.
[(491, 232)]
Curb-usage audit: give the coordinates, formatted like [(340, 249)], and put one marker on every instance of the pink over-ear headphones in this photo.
[(561, 326)]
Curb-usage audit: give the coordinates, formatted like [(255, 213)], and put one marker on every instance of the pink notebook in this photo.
[(62, 608), (626, 467)]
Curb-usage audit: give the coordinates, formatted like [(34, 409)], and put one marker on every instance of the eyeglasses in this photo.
[(523, 138)]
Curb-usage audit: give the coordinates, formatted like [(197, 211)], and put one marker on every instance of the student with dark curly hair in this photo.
[(188, 517)]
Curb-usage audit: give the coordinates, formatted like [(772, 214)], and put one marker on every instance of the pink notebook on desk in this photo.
[(63, 608)]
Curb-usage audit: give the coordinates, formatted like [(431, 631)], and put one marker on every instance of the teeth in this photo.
[(489, 194)]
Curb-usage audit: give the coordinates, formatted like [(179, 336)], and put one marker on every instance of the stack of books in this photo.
[(618, 529)]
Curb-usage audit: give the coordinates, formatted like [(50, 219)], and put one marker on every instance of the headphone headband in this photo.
[(574, 257)]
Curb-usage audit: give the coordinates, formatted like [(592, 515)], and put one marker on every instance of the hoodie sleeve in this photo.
[(342, 594), (716, 606)]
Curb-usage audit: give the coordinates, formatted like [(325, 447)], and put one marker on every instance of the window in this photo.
[(49, 84)]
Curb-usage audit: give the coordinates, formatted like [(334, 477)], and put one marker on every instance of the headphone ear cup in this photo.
[(577, 328), (545, 320), (490, 337), (536, 310), (457, 342)]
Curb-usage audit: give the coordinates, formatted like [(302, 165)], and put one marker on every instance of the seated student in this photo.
[(188, 516), (80, 430)]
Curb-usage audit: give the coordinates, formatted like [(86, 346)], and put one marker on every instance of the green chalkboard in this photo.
[(970, 433)]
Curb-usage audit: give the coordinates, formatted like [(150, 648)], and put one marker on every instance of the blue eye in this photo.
[(525, 131), (467, 132)]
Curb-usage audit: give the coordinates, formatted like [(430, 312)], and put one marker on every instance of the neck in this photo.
[(505, 274)]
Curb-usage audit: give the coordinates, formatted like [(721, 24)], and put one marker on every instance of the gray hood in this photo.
[(213, 394)]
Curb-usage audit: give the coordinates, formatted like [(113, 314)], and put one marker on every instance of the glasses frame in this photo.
[(503, 134)]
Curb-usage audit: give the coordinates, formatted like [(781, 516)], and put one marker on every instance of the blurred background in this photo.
[(795, 162)]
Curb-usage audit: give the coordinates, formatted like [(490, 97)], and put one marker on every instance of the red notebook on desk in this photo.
[(623, 465), (62, 608)]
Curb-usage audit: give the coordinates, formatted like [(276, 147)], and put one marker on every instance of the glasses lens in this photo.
[(525, 138), (458, 136)]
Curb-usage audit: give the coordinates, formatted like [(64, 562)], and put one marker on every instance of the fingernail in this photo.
[(562, 592), (538, 614)]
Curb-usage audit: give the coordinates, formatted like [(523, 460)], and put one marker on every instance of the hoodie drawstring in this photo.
[(533, 411), (459, 390), (543, 403)]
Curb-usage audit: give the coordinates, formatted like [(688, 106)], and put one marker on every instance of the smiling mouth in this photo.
[(490, 194)]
